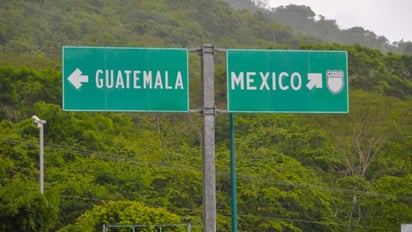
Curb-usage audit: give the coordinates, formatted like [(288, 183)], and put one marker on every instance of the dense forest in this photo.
[(295, 172), (302, 19)]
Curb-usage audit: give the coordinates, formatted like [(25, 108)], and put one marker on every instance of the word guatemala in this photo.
[(138, 79)]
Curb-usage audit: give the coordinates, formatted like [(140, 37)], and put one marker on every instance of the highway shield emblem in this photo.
[(335, 81)]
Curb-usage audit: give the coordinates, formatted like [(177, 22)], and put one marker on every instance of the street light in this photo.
[(40, 124)]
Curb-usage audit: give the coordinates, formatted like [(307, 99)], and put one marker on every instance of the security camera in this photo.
[(38, 121), (35, 119)]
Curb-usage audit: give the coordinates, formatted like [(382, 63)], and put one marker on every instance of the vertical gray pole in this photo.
[(41, 159), (189, 227), (40, 124), (233, 172), (209, 113)]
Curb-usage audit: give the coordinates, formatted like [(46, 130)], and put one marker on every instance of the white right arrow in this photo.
[(76, 78), (315, 80)]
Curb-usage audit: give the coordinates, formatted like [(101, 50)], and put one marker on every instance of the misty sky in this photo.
[(390, 18)]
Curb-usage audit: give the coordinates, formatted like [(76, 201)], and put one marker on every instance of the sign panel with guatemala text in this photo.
[(125, 79)]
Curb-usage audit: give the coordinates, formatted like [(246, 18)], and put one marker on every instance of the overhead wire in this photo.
[(241, 176), (198, 212)]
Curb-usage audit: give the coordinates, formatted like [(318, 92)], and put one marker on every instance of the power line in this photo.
[(241, 176), (225, 213)]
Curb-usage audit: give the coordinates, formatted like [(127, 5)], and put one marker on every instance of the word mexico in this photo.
[(287, 81), (125, 79), (248, 81), (137, 79)]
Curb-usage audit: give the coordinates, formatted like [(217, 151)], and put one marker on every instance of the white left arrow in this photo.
[(76, 78), (315, 80)]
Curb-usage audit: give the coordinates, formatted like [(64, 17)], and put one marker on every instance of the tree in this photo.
[(275, 191), (122, 212), (24, 208), (390, 205), (360, 137)]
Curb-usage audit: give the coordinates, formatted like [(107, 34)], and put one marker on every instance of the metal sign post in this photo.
[(233, 196), (209, 113)]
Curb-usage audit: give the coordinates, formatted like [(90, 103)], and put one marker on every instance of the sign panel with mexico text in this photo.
[(287, 81)]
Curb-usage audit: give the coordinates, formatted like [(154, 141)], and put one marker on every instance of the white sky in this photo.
[(390, 18)]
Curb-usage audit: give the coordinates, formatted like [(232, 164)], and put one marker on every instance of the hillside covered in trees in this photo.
[(296, 172), (302, 19)]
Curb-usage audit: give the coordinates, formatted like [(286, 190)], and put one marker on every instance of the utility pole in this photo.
[(40, 124), (209, 114)]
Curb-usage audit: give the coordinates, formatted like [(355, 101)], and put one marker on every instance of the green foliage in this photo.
[(295, 172), (42, 27), (292, 169), (24, 208), (22, 88), (277, 187), (122, 212), (394, 197)]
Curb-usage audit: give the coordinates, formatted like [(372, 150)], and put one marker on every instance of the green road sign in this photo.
[(287, 81), (125, 79)]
